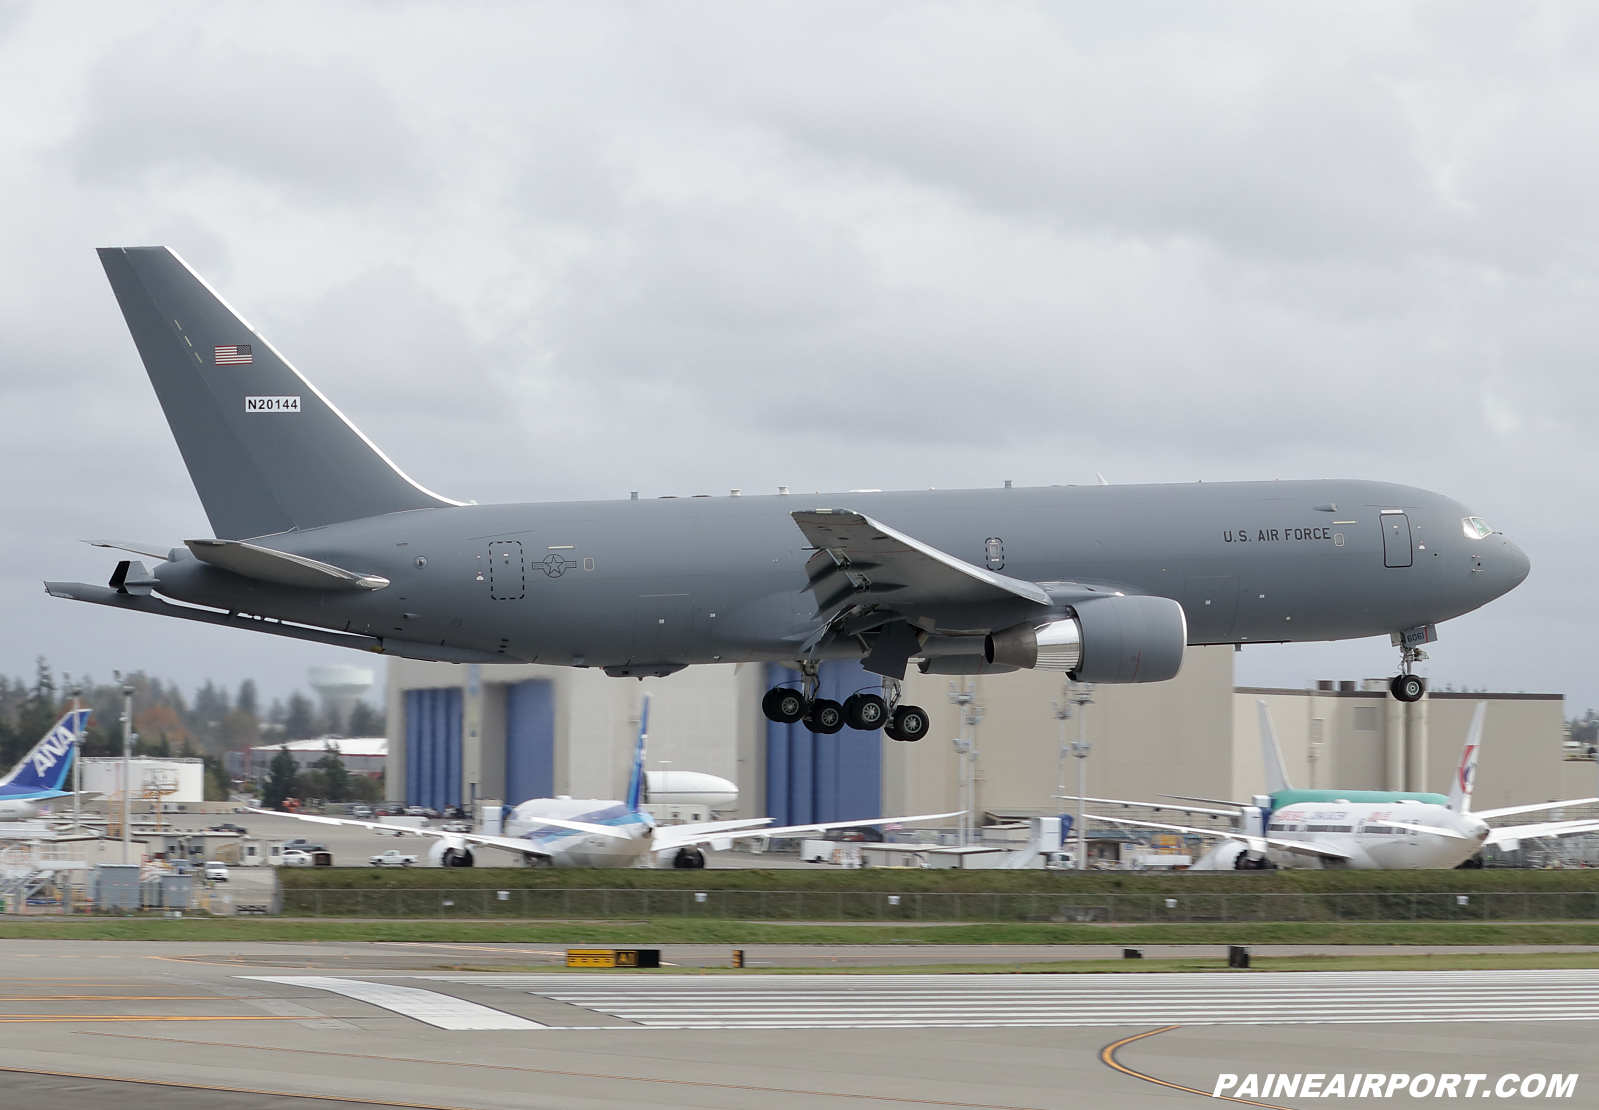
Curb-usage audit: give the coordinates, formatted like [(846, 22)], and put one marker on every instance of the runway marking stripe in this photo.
[(442, 1011), (23, 1019), (553, 1071), (1108, 1056)]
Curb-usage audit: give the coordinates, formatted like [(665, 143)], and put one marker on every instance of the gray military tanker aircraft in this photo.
[(319, 536)]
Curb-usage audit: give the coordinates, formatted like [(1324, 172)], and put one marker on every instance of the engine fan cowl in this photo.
[(1109, 639)]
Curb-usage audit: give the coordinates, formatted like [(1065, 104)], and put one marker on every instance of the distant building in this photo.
[(362, 755), (166, 780)]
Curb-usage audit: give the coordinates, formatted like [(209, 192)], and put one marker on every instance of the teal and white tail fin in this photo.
[(635, 784), (266, 451), (1466, 771), (1271, 756)]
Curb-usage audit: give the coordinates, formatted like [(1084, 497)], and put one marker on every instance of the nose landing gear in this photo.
[(1406, 686)]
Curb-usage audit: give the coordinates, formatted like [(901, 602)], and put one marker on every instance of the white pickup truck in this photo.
[(392, 858)]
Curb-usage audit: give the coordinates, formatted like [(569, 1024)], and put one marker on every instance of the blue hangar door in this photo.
[(433, 747), (824, 778), (529, 741)]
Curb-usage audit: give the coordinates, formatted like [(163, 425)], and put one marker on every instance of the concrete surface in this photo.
[(82, 1019)]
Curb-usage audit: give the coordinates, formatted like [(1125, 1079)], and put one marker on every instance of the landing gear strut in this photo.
[(1407, 686)]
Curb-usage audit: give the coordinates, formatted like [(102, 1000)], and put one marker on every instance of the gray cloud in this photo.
[(543, 252)]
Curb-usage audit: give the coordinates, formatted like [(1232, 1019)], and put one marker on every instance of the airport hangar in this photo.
[(464, 734)]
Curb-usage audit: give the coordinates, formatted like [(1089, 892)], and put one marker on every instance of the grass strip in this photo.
[(714, 931)]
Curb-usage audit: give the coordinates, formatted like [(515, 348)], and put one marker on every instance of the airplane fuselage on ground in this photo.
[(701, 580)]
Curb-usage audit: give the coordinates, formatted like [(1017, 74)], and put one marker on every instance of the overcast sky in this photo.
[(560, 251)]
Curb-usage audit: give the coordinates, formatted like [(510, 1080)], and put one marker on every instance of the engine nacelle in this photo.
[(450, 852), (1109, 639)]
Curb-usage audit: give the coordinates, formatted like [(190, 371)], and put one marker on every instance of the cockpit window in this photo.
[(1476, 528)]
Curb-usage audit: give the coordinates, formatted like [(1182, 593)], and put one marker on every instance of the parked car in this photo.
[(300, 844), (362, 813), (392, 858), (216, 871), (229, 826), (458, 826), (293, 857), (415, 811)]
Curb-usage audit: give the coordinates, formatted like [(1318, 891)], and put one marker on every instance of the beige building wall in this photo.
[(1169, 737), (701, 719), (1358, 739)]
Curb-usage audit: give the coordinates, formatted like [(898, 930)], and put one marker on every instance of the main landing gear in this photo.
[(1406, 686), (861, 711)]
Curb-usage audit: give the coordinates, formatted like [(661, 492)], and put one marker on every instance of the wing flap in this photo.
[(680, 836)]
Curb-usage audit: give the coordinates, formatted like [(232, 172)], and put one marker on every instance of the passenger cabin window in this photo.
[(1475, 528)]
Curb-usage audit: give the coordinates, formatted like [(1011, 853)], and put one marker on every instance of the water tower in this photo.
[(340, 687)]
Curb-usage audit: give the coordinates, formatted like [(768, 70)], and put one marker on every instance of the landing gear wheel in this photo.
[(866, 712), (688, 857), (909, 723), (826, 717), (783, 705), (1407, 687)]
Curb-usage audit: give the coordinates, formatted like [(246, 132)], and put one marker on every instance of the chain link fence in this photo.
[(590, 904)]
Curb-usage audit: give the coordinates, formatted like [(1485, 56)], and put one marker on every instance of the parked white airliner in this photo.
[(591, 832), (1359, 829)]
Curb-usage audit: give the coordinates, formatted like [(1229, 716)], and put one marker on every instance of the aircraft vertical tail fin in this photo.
[(635, 783), (266, 451), (1466, 770), (1270, 754), (44, 769)]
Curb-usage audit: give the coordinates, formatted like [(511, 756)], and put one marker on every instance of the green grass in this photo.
[(897, 880), (712, 931)]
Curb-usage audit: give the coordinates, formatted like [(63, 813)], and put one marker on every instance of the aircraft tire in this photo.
[(825, 717), (783, 705), (909, 724), (865, 712), (1408, 687)]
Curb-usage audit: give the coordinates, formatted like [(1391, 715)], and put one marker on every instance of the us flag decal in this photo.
[(236, 355)]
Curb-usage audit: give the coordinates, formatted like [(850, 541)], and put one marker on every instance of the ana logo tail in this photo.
[(44, 769), (635, 785), (1466, 772)]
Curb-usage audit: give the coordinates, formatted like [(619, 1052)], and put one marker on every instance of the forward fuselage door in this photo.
[(1396, 545)]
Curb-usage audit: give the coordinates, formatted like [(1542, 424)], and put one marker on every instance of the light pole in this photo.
[(77, 758), (127, 770), (966, 749), (1080, 694), (1063, 713)]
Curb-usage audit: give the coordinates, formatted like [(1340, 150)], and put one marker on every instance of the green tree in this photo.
[(280, 780), (336, 774), (311, 783), (246, 702), (299, 724), (365, 721), (218, 783)]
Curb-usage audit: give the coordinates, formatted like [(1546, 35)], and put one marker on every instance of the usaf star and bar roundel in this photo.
[(236, 355)]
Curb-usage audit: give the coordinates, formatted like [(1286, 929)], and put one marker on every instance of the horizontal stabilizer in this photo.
[(266, 565), (149, 550)]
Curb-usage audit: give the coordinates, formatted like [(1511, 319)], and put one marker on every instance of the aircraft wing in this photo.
[(1510, 835), (1506, 811), (1256, 843), (147, 549), (859, 559), (476, 838), (1157, 806), (681, 836)]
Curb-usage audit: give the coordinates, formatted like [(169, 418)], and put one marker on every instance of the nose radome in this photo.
[(1520, 565)]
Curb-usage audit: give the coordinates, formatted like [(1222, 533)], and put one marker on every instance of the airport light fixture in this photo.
[(1081, 694), (966, 750), (127, 770), (76, 690)]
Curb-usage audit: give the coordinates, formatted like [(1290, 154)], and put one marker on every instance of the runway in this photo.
[(238, 1027)]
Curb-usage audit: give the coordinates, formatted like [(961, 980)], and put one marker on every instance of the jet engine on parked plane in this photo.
[(450, 851), (1109, 639)]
